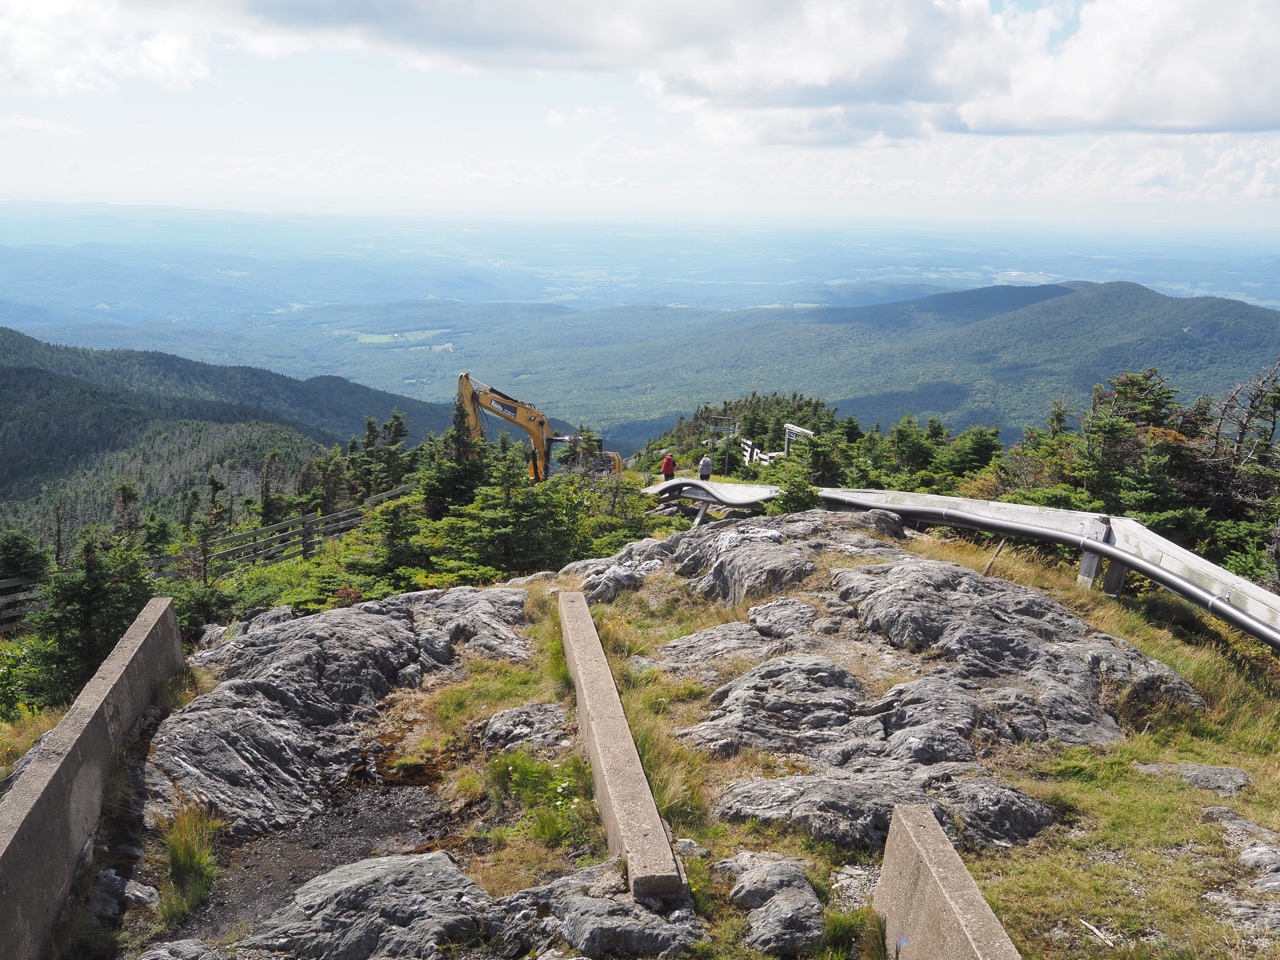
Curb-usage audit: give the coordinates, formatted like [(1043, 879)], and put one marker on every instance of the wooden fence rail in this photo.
[(16, 596), (296, 537)]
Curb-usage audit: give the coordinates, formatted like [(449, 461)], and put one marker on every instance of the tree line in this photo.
[(1204, 474), (472, 517)]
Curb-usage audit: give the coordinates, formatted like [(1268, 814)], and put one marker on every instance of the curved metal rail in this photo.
[(744, 495)]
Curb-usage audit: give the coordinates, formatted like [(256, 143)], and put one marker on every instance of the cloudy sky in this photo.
[(1134, 112)]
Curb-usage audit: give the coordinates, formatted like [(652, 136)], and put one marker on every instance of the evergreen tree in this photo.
[(20, 556), (86, 609)]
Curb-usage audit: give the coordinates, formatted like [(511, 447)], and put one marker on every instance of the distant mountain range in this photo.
[(590, 346)]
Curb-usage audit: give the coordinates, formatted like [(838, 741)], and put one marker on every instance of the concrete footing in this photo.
[(52, 811), (631, 821), (932, 907)]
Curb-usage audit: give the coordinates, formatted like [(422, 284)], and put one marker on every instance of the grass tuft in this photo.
[(190, 839)]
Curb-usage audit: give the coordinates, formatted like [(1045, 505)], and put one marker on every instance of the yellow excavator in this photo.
[(478, 398)]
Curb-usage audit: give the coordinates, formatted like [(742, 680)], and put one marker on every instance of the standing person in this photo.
[(669, 467), (704, 467)]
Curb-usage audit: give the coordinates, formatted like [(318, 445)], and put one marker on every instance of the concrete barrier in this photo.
[(631, 821), (932, 907), (53, 809)]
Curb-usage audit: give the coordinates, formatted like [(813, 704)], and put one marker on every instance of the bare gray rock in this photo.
[(732, 561), (784, 914), (853, 808), (1224, 781), (106, 899), (850, 810), (182, 950), (785, 705), (1238, 830), (211, 635), (540, 726), (761, 877), (601, 927), (719, 644), (1259, 855), (789, 924), (987, 630), (267, 619), (592, 912), (1255, 917), (742, 561), (265, 747), (782, 618), (482, 620), (388, 907), (140, 895), (605, 587)]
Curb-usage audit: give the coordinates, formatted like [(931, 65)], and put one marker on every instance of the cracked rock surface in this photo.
[(877, 676)]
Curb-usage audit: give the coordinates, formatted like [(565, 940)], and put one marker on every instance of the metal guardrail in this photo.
[(1124, 542)]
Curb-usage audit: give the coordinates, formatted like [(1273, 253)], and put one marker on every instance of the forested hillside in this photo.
[(328, 404), (76, 424)]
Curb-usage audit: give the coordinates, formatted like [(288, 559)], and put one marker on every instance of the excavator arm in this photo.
[(478, 398)]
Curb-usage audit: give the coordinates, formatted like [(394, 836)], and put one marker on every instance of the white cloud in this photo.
[(799, 71), (69, 46), (1176, 65), (595, 116), (18, 124), (889, 104)]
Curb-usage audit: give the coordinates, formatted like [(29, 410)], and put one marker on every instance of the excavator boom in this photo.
[(478, 398)]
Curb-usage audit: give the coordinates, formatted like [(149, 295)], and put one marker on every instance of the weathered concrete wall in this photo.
[(53, 809), (932, 907), (626, 804)]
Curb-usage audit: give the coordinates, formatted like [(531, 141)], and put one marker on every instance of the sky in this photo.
[(1113, 114)]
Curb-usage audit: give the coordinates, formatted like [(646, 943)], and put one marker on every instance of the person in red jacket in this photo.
[(669, 467)]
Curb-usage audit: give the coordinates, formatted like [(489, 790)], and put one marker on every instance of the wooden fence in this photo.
[(16, 596), (297, 537)]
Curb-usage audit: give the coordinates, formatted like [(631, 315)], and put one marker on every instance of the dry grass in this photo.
[(20, 735), (1132, 854), (516, 862), (184, 686)]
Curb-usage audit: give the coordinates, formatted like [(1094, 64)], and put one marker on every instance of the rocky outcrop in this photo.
[(881, 678), (992, 663), (398, 906), (1224, 781), (282, 728), (784, 914), (734, 560), (422, 906), (537, 726), (1253, 907), (183, 950)]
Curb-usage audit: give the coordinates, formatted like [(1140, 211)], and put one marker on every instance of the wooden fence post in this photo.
[(308, 527), (1091, 563)]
